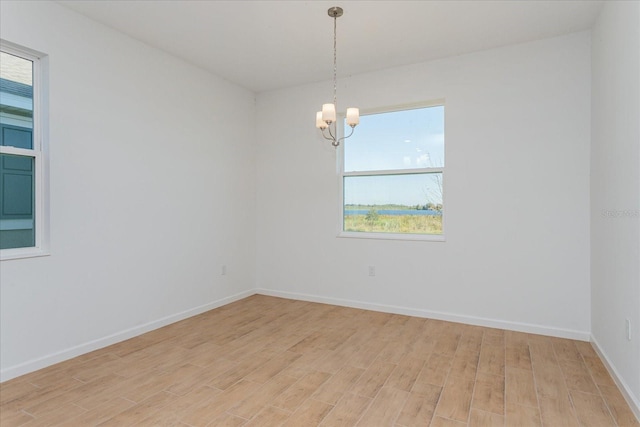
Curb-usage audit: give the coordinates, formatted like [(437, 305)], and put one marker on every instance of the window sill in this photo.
[(19, 253), (392, 236)]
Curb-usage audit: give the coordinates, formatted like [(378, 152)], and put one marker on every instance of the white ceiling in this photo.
[(264, 45)]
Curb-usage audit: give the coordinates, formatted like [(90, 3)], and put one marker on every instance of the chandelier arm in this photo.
[(331, 133), (347, 136), (331, 137), (328, 138)]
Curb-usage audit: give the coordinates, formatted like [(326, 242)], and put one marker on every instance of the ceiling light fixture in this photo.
[(327, 117)]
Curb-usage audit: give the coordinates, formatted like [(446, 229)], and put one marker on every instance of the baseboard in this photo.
[(471, 320), (51, 359), (632, 400)]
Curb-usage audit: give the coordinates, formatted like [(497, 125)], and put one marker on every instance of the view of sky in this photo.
[(401, 140)]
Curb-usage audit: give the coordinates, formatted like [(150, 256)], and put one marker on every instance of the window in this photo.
[(393, 174), (22, 178)]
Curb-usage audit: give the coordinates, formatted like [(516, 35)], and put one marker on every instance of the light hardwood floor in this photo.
[(266, 361)]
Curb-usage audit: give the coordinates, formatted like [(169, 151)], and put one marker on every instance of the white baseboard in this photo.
[(51, 359), (632, 400), (470, 320)]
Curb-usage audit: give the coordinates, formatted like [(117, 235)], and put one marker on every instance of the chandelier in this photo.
[(326, 119)]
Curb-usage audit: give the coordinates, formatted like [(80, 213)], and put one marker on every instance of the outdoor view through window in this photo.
[(393, 173), (17, 154)]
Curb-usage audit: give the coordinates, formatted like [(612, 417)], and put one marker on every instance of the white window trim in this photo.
[(342, 174), (39, 152)]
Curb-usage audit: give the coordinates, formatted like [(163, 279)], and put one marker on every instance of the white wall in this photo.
[(154, 182), (615, 190), (152, 190), (516, 193)]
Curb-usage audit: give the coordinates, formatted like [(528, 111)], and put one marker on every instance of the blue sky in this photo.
[(409, 139)]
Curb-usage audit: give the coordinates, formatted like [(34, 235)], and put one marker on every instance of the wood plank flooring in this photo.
[(266, 361)]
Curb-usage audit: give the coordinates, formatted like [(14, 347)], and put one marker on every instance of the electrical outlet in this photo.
[(223, 270), (627, 324), (372, 270)]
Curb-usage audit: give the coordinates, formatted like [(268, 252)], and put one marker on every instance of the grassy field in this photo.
[(376, 223)]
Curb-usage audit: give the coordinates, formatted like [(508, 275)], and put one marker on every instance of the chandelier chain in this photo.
[(335, 62)]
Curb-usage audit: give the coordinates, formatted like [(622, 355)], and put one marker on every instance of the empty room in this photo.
[(301, 213)]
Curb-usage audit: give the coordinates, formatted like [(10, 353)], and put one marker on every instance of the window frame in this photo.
[(39, 153), (391, 172)]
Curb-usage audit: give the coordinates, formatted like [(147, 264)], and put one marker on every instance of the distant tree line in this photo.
[(430, 207)]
